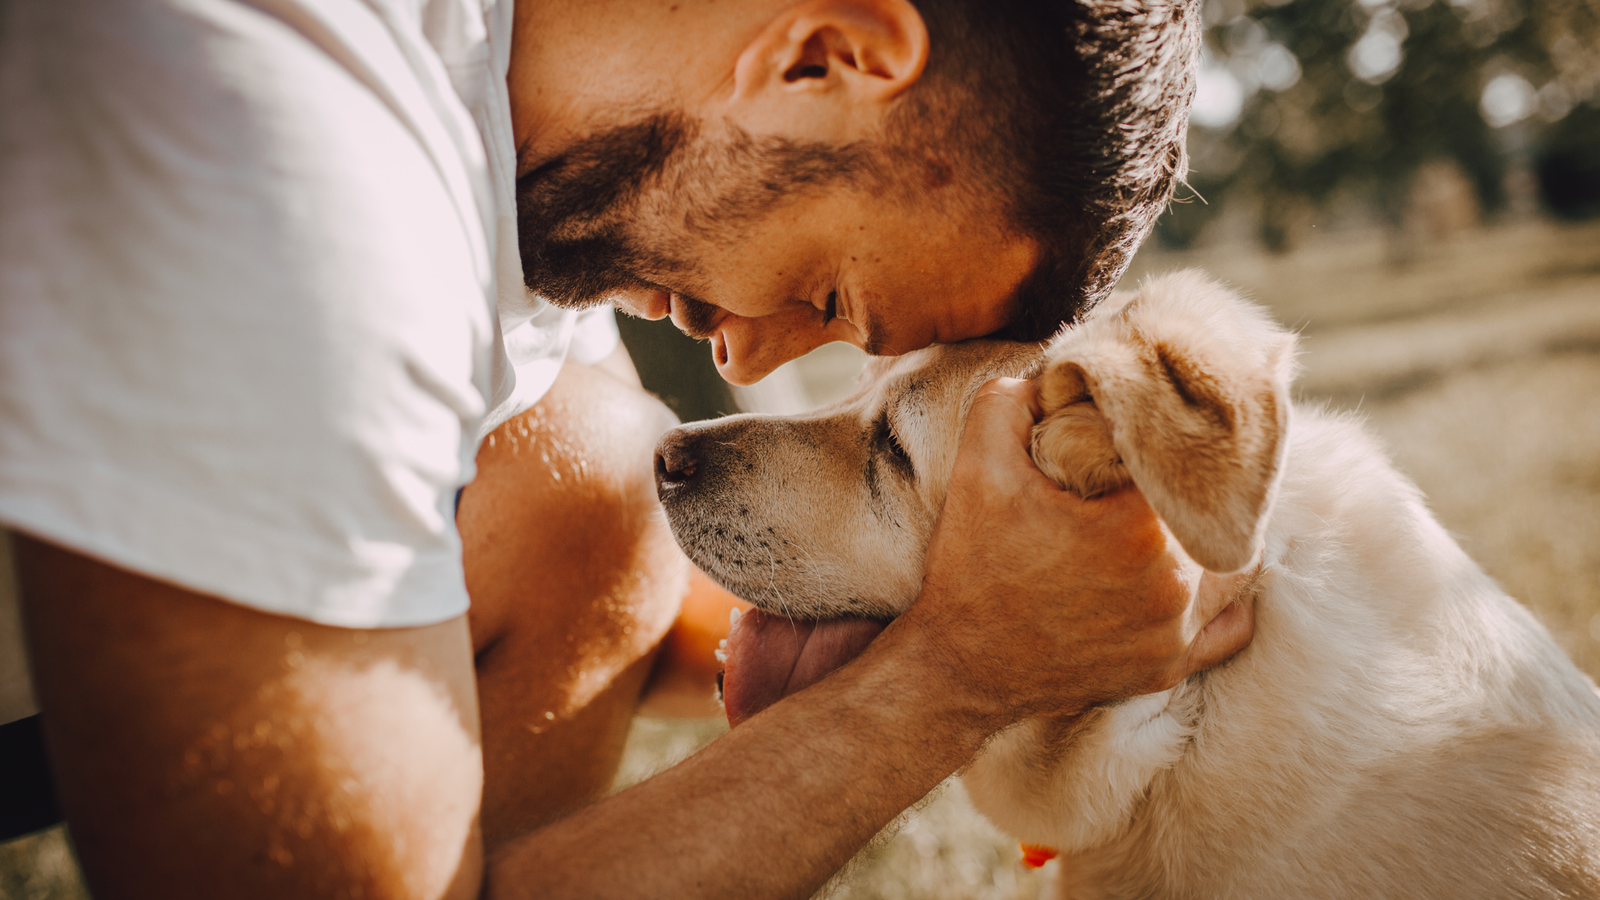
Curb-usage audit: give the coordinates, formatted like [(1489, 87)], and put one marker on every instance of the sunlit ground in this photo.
[(1478, 364)]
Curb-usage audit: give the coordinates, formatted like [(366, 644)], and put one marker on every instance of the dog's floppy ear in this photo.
[(1184, 390)]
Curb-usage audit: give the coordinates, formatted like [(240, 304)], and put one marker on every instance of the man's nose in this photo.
[(746, 350)]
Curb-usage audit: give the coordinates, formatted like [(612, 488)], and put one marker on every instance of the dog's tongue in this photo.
[(771, 657)]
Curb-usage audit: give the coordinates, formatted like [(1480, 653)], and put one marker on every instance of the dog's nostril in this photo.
[(669, 469), (675, 459)]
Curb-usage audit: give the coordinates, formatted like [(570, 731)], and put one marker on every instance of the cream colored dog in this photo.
[(1398, 728)]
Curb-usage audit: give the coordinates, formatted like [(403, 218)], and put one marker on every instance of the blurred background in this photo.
[(1414, 185)]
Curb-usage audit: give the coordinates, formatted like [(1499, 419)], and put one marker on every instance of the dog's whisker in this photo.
[(772, 588), (811, 562)]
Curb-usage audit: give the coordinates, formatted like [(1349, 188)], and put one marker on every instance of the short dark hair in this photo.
[(1074, 113)]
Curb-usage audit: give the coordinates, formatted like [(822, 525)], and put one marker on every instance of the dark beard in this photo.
[(572, 208)]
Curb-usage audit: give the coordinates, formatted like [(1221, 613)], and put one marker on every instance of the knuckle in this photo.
[(1164, 645), (1161, 614), (1166, 680)]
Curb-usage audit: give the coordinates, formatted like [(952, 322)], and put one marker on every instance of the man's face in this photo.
[(767, 249)]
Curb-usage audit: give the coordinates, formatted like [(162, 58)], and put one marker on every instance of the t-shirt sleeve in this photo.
[(245, 334), (594, 335)]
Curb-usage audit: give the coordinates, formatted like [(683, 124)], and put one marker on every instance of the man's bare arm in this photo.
[(209, 750), (203, 749), (775, 806)]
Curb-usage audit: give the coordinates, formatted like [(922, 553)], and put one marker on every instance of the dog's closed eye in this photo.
[(884, 436)]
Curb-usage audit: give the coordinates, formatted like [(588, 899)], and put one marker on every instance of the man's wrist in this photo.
[(931, 673), (843, 756)]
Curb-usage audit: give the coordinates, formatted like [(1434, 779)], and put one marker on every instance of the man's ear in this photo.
[(828, 68)]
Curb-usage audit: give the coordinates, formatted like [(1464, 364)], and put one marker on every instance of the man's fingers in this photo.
[(1226, 635), (1231, 627), (1128, 513), (995, 476), (1218, 592), (994, 445), (1005, 407)]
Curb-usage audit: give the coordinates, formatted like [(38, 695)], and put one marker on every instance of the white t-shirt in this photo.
[(260, 292)]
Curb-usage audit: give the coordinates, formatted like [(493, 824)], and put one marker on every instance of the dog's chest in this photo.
[(1076, 786)]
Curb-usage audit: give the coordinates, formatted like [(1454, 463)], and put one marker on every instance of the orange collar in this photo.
[(1034, 856)]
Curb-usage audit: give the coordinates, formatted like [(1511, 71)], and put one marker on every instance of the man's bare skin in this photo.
[(565, 620), (206, 749)]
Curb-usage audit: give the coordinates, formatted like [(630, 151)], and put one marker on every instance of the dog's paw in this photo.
[(1072, 442)]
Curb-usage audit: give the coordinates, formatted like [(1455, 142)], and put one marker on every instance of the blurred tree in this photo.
[(1568, 164), (1305, 101)]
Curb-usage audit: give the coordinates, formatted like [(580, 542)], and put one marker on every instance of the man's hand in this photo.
[(1045, 603)]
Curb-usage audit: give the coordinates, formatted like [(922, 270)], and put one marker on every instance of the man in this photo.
[(248, 255)]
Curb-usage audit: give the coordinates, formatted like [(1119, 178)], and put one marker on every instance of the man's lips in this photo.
[(771, 657)]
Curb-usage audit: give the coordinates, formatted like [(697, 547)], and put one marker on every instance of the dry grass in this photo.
[(40, 867), (1479, 365)]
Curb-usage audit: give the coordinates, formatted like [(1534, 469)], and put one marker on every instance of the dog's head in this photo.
[(1180, 388), (829, 514)]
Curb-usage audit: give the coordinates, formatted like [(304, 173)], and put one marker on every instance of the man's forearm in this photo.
[(775, 806), (1051, 621)]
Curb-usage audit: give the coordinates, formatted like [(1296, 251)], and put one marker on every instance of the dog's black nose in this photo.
[(676, 462)]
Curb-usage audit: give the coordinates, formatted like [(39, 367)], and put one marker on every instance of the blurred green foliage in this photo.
[(1306, 102)]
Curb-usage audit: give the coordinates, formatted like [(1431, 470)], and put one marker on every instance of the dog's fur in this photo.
[(1398, 728)]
